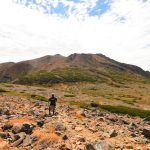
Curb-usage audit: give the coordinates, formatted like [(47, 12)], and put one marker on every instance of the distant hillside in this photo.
[(74, 68)]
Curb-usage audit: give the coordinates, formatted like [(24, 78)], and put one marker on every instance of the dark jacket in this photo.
[(52, 101)]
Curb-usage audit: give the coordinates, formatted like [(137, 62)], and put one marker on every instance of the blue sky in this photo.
[(119, 29), (99, 6)]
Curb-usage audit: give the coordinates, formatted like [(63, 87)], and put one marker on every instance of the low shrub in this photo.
[(81, 104), (93, 104), (69, 95), (3, 90), (38, 97), (127, 110)]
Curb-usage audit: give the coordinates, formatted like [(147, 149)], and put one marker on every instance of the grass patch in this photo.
[(27, 95), (81, 104), (127, 110), (114, 109), (39, 97), (2, 90), (69, 95)]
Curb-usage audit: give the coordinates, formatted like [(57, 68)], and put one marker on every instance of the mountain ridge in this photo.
[(10, 71)]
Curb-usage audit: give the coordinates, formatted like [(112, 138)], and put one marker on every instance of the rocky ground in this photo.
[(25, 124)]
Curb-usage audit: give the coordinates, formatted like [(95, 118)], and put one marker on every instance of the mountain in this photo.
[(92, 66)]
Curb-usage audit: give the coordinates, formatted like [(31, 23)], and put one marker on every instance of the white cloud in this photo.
[(122, 33)]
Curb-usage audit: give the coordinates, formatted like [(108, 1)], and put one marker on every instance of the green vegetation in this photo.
[(6, 85), (69, 95), (39, 97), (114, 109), (24, 94), (126, 110), (58, 76), (2, 90), (81, 104), (123, 76)]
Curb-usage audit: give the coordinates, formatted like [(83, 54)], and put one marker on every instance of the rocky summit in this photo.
[(26, 125)]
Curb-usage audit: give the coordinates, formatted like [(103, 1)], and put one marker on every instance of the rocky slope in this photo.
[(99, 62), (25, 124)]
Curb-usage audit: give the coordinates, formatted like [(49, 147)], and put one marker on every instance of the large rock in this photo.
[(102, 145), (27, 128)]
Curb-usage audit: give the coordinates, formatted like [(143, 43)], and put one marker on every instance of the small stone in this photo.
[(113, 133), (40, 123), (82, 139), (65, 137), (60, 127)]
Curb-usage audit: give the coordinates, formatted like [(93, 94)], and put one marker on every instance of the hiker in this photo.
[(52, 104)]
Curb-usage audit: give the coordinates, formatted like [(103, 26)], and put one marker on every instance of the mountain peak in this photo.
[(83, 61)]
